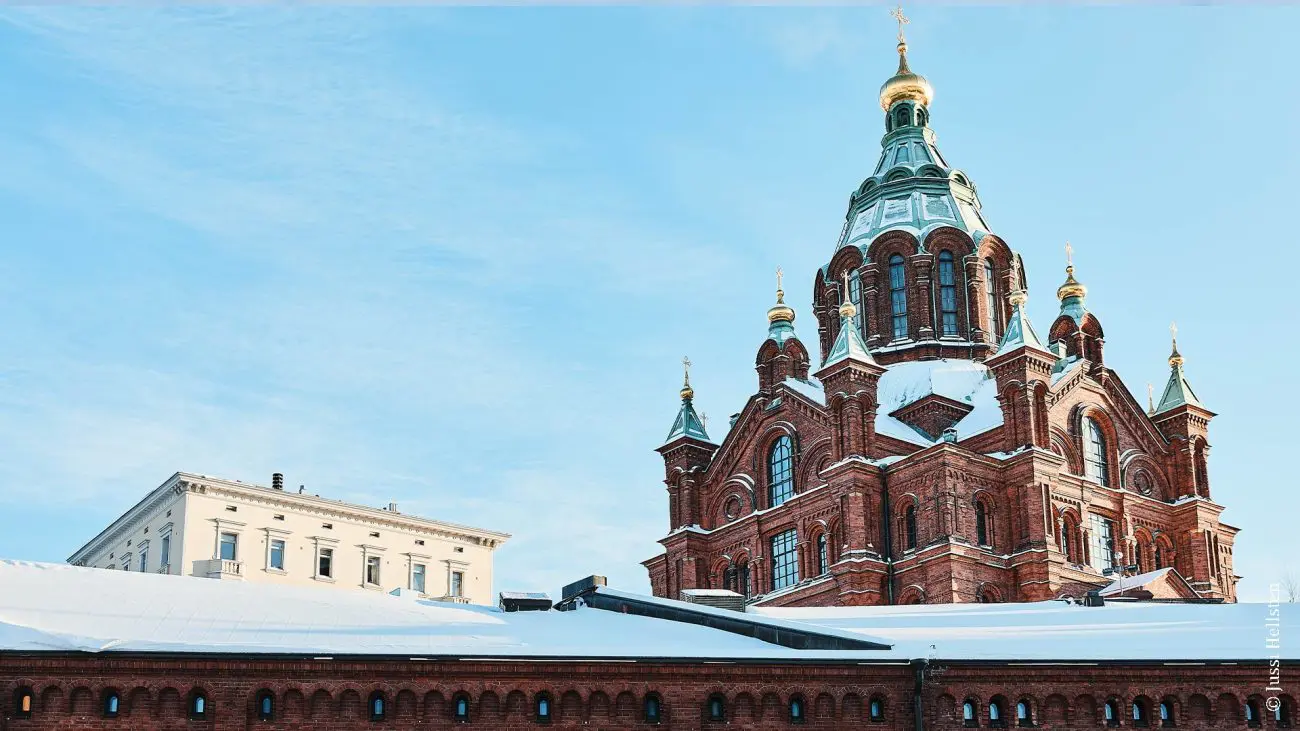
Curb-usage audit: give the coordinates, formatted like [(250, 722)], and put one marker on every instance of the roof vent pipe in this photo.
[(392, 507), (277, 481)]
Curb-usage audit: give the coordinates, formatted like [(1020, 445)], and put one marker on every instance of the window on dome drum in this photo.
[(265, 706), (276, 558), (909, 528), (229, 544), (1095, 465), (460, 708), (855, 296), (417, 577), (981, 524), (111, 704), (717, 708), (995, 714), (900, 116), (968, 714), (780, 469), (1166, 714), (1101, 542), (898, 296), (904, 150), (1024, 714), (796, 710), (823, 564), (1111, 712), (785, 559), (1252, 714), (198, 706), (653, 710), (991, 300), (23, 703), (876, 711), (947, 295)]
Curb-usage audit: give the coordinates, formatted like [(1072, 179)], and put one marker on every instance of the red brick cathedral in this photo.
[(940, 450)]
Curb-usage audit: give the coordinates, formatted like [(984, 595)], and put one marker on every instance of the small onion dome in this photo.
[(1072, 286), (1175, 358), (848, 311), (687, 392), (905, 84), (780, 312)]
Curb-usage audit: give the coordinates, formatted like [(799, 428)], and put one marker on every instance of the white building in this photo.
[(195, 525)]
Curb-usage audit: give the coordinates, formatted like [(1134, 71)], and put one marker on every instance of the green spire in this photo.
[(1178, 392), (1020, 332), (848, 344), (688, 423)]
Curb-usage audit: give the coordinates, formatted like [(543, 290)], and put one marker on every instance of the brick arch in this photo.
[(743, 708), (81, 701), (489, 706), (1135, 463), (989, 593), (824, 707), (815, 456), (990, 504), (1055, 708), (905, 501), (350, 705), (321, 704), (914, 594), (1032, 706), (571, 706), (51, 699), (1063, 445), (945, 711), (170, 704), (1197, 708), (598, 706), (882, 248), (957, 243), (1086, 708), (770, 707), (294, 704)]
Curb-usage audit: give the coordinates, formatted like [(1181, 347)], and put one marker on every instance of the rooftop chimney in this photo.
[(392, 507), (277, 481)]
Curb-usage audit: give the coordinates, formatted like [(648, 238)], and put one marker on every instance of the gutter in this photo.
[(918, 687), (885, 509)]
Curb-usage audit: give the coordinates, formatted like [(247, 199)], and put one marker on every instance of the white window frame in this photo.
[(221, 525), (367, 552), (165, 552), (412, 559), (332, 544), (454, 566), (276, 534)]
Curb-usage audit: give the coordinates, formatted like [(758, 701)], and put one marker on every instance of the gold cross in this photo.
[(686, 368), (778, 277), (1069, 254), (1173, 332), (897, 14), (846, 285)]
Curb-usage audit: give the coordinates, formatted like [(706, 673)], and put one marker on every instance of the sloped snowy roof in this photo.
[(812, 388), (1056, 630), (964, 381)]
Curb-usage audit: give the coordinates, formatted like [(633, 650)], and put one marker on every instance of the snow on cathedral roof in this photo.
[(964, 381)]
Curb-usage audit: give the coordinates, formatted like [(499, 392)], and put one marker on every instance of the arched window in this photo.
[(898, 296), (737, 578), (265, 706), (877, 710), (909, 527), (796, 710), (991, 300), (922, 116), (377, 706), (901, 117), (1282, 713), (995, 714), (1140, 717), (855, 296), (947, 295), (1095, 464), (823, 559), (1112, 712), (968, 713), (780, 470), (198, 706), (1252, 714), (717, 708), (111, 704), (23, 703), (981, 523), (1166, 714), (543, 704), (460, 707), (1024, 714), (653, 709)]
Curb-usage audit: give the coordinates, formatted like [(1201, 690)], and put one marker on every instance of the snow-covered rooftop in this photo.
[(964, 381)]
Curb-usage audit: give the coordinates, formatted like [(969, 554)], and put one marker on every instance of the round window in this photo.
[(732, 508), (1142, 481)]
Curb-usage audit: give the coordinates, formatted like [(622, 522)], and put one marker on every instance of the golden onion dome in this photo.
[(848, 311), (780, 312), (687, 392), (905, 85), (1072, 286)]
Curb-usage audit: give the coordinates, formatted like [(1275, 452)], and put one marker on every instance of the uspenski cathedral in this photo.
[(940, 450)]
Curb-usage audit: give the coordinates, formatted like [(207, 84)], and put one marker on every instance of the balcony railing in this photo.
[(218, 568), (164, 569)]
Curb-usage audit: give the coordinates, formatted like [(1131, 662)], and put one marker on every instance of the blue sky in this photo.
[(452, 257)]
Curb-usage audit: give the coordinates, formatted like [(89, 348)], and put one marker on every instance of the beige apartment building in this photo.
[(195, 525)]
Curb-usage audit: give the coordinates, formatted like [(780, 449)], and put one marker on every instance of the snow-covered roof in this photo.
[(810, 387), (964, 381), (1055, 630)]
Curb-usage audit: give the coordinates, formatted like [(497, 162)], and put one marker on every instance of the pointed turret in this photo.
[(688, 423), (1178, 392), (687, 453), (1023, 368), (782, 355), (850, 376), (1020, 332), (1185, 422), (1076, 329)]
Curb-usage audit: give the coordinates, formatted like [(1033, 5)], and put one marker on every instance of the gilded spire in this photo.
[(1178, 392), (688, 423), (1072, 286), (687, 392), (780, 312), (904, 84), (848, 310), (1175, 358)]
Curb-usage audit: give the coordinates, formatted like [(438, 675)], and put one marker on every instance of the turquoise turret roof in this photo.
[(1020, 332), (848, 345), (687, 424), (1178, 392)]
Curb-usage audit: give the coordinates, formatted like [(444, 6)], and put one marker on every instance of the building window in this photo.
[(372, 570), (457, 583), (327, 526), (898, 296), (855, 296), (909, 527), (229, 543), (653, 709), (1024, 715), (325, 563), (276, 560), (737, 578), (198, 706), (1282, 714), (780, 468), (785, 559), (265, 706), (543, 708), (23, 702), (1101, 542), (717, 708), (1140, 714), (947, 294), (144, 559), (164, 553), (981, 523), (111, 704), (876, 710), (419, 542), (1252, 715), (991, 299), (277, 516), (1095, 465), (968, 714), (796, 710), (823, 562), (377, 706), (460, 708), (417, 577), (1166, 714), (995, 714), (1112, 713)]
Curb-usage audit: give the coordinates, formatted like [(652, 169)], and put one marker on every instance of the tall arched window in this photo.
[(717, 708), (377, 706), (947, 295), (111, 704), (855, 296), (823, 559), (877, 710), (1140, 714), (785, 559), (1024, 715), (909, 527), (981, 523), (198, 706), (460, 708), (265, 706), (995, 713), (1252, 715), (543, 703), (1095, 465), (1282, 714), (968, 714), (652, 708), (898, 296), (780, 470), (991, 300), (23, 699), (1166, 714), (796, 710), (1111, 712)]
